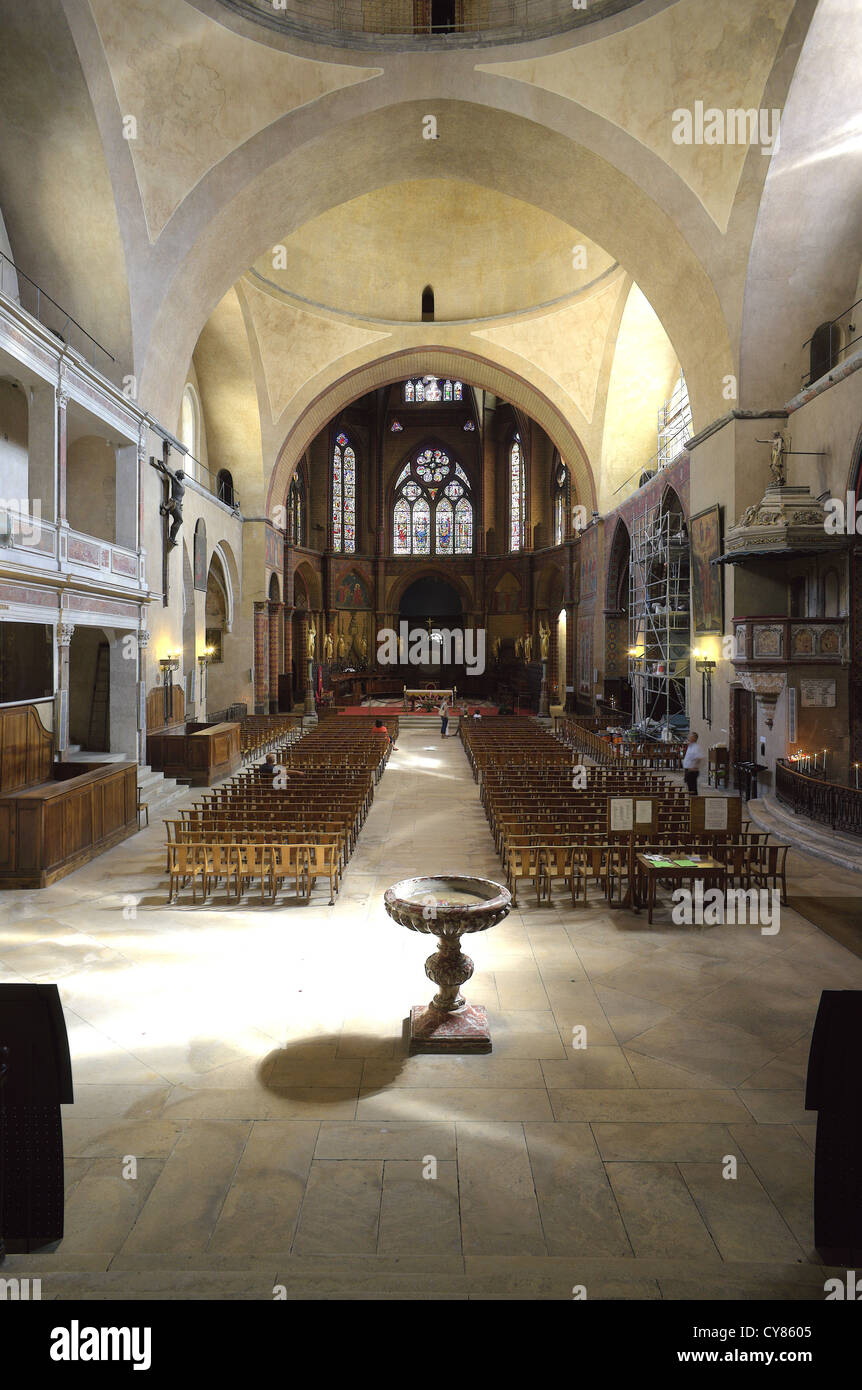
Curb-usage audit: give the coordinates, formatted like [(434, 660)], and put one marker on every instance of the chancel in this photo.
[(430, 463)]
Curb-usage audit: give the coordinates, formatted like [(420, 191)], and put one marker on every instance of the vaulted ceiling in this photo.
[(208, 193)]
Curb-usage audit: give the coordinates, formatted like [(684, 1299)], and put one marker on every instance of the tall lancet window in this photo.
[(343, 495), (517, 494), (562, 489), (432, 509)]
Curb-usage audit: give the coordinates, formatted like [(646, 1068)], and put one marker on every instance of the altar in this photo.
[(433, 694)]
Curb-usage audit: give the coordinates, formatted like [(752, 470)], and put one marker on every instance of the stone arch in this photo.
[(225, 555), (401, 583), (616, 583), (469, 367)]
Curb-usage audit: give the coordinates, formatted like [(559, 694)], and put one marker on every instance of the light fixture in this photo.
[(168, 664), (706, 668)]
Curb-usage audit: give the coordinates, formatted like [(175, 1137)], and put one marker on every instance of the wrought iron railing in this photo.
[(827, 802), (52, 316), (836, 340)]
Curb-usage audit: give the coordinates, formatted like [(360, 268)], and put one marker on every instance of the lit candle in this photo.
[(825, 751), (815, 762), (856, 765)]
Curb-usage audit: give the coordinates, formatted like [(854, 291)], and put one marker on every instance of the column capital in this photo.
[(64, 633), (143, 638)]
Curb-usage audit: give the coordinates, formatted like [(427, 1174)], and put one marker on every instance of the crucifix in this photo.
[(171, 509)]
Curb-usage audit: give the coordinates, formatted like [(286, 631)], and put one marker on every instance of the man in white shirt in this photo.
[(692, 763)]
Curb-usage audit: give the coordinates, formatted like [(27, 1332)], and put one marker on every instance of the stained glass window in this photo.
[(432, 388), (343, 495), (464, 528), (396, 427), (517, 494), (296, 510), (444, 527), (561, 502), (432, 513), (421, 527), (401, 543)]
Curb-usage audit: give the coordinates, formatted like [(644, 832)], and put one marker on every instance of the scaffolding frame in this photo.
[(659, 621)]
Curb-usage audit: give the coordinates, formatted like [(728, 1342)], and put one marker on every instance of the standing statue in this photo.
[(174, 506), (545, 639), (528, 647), (309, 642), (519, 648), (363, 646), (496, 648), (342, 647), (777, 465), (778, 458), (327, 647)]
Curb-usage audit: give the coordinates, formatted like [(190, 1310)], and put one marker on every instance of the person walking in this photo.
[(444, 717), (692, 763)]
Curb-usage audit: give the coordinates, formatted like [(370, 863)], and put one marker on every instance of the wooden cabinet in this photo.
[(202, 755), (49, 830)]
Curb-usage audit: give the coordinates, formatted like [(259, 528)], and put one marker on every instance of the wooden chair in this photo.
[(555, 865), (322, 862), (185, 864), (142, 806), (523, 863), (255, 861), (768, 868)]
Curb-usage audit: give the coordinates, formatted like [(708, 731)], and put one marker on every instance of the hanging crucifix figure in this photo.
[(172, 506)]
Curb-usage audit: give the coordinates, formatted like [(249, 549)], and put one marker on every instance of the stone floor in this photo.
[(250, 1061)]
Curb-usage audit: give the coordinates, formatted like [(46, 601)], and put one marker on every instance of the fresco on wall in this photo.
[(507, 595), (706, 576), (201, 555), (584, 662), (351, 592), (589, 567)]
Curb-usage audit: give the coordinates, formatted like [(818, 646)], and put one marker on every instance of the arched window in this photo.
[(343, 495), (562, 498), (431, 485), (225, 488), (517, 494), (427, 305), (296, 510), (432, 388), (190, 422)]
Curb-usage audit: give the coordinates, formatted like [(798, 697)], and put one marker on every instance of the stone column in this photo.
[(275, 646), (261, 656), (143, 642), (61, 713), (310, 715), (62, 401)]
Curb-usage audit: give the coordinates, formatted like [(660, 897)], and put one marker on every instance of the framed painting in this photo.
[(707, 580)]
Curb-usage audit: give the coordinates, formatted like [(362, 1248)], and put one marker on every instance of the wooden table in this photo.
[(648, 875)]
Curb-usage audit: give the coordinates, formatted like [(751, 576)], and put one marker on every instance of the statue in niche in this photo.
[(309, 642), (519, 648), (342, 647), (528, 647), (496, 649), (173, 507), (545, 639), (327, 646)]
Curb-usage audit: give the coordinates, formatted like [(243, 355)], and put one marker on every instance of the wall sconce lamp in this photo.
[(167, 665), (706, 668), (204, 658)]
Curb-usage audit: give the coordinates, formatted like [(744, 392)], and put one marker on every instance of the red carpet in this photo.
[(391, 711)]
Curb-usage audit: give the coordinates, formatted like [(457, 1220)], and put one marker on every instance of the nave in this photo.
[(283, 1136)]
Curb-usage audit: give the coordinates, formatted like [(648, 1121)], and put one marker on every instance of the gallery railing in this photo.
[(818, 800), (33, 299)]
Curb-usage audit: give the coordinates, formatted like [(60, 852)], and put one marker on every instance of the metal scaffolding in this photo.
[(659, 616)]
